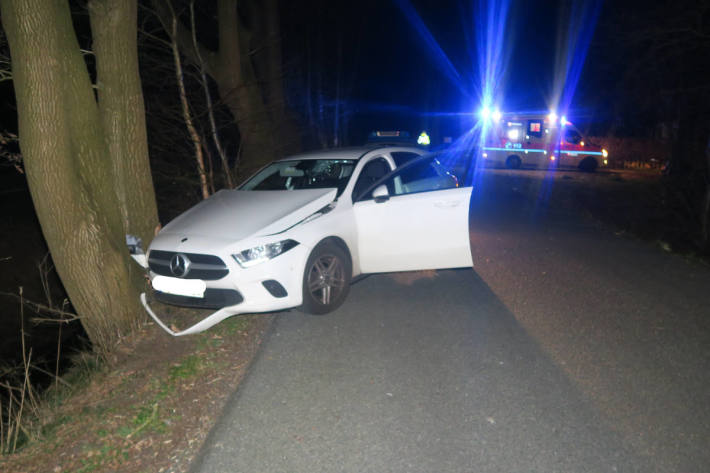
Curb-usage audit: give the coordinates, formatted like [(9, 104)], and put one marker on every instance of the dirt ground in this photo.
[(149, 408)]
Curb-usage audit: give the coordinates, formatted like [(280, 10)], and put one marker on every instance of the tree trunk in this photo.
[(271, 63), (114, 31), (68, 168), (705, 209), (238, 87), (259, 144)]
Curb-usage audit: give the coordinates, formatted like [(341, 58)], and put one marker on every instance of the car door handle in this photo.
[(446, 204)]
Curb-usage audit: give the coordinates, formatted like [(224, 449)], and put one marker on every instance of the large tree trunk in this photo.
[(705, 208), (238, 87), (272, 76), (259, 142), (114, 31), (69, 171)]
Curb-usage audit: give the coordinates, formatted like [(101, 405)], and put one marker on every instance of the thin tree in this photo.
[(208, 99), (187, 116)]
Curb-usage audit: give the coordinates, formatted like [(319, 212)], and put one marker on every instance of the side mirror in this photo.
[(135, 249), (381, 194)]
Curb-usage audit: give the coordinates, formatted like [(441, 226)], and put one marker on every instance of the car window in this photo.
[(402, 157), (424, 175), (303, 174), (571, 136), (535, 128), (372, 171)]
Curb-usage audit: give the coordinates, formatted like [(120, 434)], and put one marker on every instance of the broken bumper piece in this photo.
[(204, 324)]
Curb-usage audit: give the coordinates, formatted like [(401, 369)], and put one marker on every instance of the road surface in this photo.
[(567, 349)]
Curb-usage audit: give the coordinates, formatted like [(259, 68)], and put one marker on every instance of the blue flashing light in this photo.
[(563, 121), (486, 113)]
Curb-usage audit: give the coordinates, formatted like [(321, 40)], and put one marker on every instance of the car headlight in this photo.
[(261, 253)]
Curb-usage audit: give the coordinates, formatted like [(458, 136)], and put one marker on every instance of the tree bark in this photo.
[(114, 31), (68, 165), (273, 80), (239, 89)]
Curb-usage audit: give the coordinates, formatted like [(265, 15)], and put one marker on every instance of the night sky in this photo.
[(389, 78), (393, 79)]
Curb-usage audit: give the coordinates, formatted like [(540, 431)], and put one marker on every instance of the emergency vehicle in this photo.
[(536, 140)]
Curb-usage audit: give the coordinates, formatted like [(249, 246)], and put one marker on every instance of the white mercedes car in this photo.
[(301, 228)]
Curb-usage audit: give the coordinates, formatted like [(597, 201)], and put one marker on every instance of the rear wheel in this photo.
[(326, 279), (513, 162), (588, 164)]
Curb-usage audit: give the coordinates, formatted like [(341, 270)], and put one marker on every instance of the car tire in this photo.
[(513, 162), (326, 279), (588, 164)]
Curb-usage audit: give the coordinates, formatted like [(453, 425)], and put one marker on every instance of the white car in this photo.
[(301, 228)]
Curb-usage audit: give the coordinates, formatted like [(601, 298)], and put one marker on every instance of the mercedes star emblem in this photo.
[(179, 265)]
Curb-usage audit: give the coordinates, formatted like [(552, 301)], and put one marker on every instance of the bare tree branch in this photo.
[(186, 108), (208, 99), (163, 10)]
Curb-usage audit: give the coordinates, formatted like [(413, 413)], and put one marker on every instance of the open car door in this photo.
[(415, 218)]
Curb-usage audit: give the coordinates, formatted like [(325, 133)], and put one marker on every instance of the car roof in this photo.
[(355, 152)]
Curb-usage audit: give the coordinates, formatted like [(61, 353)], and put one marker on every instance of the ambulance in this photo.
[(518, 140)]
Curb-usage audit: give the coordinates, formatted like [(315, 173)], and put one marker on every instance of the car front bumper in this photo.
[(201, 326), (271, 286)]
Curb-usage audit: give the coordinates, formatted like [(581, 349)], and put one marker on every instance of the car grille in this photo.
[(206, 267), (213, 299)]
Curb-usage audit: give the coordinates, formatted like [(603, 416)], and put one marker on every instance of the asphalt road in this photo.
[(567, 349)]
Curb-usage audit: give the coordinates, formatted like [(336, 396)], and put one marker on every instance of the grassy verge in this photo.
[(149, 408), (646, 205)]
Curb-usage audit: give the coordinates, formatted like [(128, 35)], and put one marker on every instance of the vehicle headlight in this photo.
[(261, 253), (605, 153)]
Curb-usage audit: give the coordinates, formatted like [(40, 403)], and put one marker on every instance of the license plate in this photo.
[(180, 287)]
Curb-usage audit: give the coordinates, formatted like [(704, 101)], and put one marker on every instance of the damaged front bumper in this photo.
[(201, 326)]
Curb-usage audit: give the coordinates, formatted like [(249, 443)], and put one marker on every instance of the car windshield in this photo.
[(302, 174)]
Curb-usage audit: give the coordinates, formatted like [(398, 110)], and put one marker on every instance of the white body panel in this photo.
[(235, 214), (427, 230)]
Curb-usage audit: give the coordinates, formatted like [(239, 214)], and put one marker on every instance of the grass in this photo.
[(138, 413), (234, 325), (646, 205), (186, 369)]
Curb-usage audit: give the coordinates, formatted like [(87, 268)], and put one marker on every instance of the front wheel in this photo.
[(513, 162), (326, 279)]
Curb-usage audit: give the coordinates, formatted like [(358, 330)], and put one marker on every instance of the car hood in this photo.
[(235, 214)]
